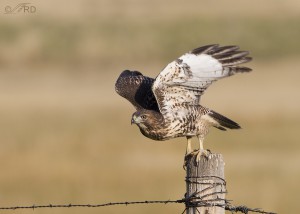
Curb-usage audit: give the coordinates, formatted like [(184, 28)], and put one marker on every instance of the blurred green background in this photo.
[(65, 135)]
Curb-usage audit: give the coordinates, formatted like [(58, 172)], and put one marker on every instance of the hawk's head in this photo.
[(146, 118), (149, 122)]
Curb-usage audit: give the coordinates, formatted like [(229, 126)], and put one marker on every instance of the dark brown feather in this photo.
[(223, 121), (224, 49), (235, 61), (136, 88), (231, 55), (204, 49)]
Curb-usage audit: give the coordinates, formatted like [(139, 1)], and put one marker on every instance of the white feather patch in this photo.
[(202, 65)]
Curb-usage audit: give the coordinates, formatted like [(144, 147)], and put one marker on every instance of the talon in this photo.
[(203, 152), (184, 165), (185, 161)]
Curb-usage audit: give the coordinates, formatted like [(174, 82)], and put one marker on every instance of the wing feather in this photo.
[(224, 49), (184, 80), (137, 89)]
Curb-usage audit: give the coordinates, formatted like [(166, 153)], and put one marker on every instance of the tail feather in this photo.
[(223, 122)]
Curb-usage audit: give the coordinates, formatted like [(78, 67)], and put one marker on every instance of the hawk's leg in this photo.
[(188, 150), (188, 145)]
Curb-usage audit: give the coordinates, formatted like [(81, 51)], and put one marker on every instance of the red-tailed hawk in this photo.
[(168, 106)]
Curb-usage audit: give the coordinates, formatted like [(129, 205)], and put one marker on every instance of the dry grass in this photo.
[(65, 134)]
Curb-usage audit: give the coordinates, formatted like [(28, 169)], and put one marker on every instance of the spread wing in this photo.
[(184, 80), (137, 89)]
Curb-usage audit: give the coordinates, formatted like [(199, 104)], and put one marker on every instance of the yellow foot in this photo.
[(200, 152)]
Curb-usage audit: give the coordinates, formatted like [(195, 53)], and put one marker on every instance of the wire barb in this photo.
[(245, 210)]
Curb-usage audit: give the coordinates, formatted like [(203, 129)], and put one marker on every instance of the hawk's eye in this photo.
[(143, 117)]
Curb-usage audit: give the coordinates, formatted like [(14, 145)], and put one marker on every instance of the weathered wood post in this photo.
[(205, 185)]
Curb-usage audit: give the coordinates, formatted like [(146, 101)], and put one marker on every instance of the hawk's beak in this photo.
[(132, 121), (135, 120)]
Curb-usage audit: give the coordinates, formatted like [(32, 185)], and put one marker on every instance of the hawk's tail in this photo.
[(222, 122)]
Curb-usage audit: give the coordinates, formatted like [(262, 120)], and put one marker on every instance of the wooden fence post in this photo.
[(205, 185)]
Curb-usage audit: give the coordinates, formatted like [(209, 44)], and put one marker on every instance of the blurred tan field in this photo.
[(65, 135)]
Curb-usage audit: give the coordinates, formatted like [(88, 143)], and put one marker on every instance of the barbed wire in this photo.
[(90, 205), (228, 206)]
